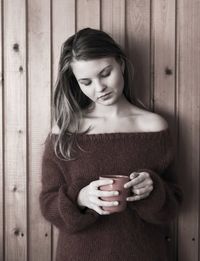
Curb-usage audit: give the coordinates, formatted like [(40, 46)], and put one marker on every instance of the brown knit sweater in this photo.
[(133, 235)]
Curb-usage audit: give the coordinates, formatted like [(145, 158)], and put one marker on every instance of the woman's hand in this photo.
[(89, 196), (141, 185)]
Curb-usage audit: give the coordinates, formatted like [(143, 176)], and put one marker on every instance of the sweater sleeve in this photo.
[(58, 201), (162, 205)]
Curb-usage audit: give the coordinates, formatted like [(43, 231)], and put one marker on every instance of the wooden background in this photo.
[(161, 37)]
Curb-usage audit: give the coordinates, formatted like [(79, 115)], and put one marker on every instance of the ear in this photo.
[(122, 63)]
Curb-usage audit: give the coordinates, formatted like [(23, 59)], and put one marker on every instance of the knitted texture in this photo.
[(134, 234)]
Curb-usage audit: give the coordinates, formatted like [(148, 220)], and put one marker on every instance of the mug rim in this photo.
[(114, 176)]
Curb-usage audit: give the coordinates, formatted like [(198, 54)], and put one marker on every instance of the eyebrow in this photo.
[(108, 66)]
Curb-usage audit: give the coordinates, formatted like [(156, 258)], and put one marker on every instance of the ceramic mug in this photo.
[(118, 185)]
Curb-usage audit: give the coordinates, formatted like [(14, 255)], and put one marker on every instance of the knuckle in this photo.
[(101, 212), (93, 200), (97, 193), (108, 203), (147, 174), (108, 194), (98, 210), (151, 188), (136, 197), (103, 203), (139, 191), (142, 173), (150, 182), (91, 185), (90, 192), (142, 191)]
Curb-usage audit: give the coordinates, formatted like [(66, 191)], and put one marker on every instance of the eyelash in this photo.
[(104, 76)]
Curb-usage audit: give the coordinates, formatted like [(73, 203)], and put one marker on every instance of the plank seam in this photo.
[(3, 128), (151, 58), (27, 130)]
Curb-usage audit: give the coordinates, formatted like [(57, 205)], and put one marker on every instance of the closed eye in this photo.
[(105, 74), (86, 83)]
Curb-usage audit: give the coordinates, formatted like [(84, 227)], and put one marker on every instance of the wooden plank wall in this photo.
[(161, 37)]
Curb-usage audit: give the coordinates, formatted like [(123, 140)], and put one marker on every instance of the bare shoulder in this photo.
[(150, 121)]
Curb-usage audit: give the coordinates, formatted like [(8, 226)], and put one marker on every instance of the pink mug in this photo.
[(118, 185)]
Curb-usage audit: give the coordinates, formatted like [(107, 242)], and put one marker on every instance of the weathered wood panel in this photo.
[(162, 40), (66, 25), (39, 115), (138, 46), (1, 141), (15, 129), (188, 62), (88, 14), (113, 19), (163, 50)]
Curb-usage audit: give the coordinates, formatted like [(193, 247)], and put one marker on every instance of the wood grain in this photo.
[(15, 129), (66, 25), (163, 50), (88, 14), (39, 121), (113, 19), (1, 141), (188, 58), (138, 46), (161, 38)]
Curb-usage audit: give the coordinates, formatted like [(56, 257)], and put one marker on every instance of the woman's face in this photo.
[(100, 79)]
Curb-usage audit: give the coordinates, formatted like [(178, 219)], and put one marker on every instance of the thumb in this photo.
[(134, 175)]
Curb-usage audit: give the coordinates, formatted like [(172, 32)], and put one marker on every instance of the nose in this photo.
[(100, 86)]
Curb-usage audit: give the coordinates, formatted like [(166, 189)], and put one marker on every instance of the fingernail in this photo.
[(116, 193), (111, 181), (116, 203), (127, 199), (125, 186)]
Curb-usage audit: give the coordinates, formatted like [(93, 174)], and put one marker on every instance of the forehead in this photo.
[(90, 68)]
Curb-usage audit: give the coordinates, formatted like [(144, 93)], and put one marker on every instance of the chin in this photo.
[(109, 102)]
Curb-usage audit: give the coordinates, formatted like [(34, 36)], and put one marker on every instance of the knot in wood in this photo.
[(16, 47), (168, 71)]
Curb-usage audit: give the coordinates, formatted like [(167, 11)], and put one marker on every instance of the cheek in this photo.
[(86, 91), (117, 79)]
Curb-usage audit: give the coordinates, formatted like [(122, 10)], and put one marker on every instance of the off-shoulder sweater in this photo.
[(136, 234)]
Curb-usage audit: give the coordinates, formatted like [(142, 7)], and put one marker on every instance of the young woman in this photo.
[(101, 128)]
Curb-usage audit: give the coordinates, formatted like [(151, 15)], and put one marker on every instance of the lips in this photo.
[(103, 96)]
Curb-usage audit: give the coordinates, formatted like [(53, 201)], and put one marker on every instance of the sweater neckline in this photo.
[(113, 135)]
